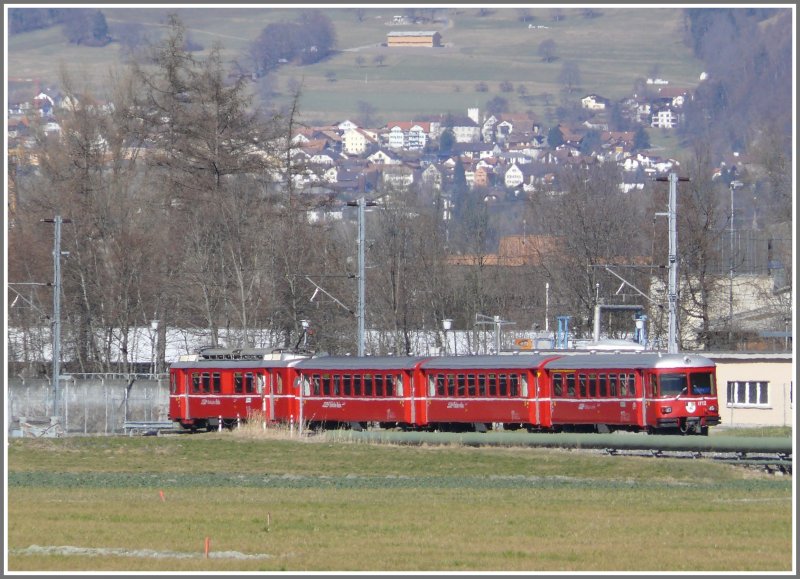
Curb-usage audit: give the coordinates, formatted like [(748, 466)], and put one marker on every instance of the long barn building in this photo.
[(423, 39)]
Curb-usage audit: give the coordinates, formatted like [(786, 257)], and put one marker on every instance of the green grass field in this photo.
[(612, 51), (275, 504)]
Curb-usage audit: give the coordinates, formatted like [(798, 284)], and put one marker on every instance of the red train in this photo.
[(574, 392)]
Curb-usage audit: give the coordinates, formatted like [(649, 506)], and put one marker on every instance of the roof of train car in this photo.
[(644, 360), (361, 363), (485, 361), (232, 364)]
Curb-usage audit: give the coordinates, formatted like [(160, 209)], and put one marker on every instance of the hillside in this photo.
[(612, 49)]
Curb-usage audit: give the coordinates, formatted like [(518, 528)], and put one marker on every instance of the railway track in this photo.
[(773, 455)]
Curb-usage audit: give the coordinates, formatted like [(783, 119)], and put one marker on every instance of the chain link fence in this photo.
[(89, 404)]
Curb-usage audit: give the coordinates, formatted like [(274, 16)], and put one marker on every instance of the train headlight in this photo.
[(712, 408), (666, 410)]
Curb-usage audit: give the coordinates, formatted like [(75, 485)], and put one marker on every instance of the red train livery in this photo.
[(575, 392)]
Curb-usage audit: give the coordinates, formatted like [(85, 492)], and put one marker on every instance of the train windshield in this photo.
[(696, 383), (672, 385), (702, 383)]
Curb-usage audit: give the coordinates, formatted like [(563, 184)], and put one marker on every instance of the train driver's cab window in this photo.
[(702, 383), (672, 385), (523, 381), (279, 380), (431, 386), (558, 387), (398, 386)]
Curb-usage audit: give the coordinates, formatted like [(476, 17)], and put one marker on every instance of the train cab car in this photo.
[(658, 393), (477, 392), (223, 386), (333, 391)]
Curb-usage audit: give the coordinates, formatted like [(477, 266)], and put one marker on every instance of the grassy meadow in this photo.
[(267, 502), (611, 51)]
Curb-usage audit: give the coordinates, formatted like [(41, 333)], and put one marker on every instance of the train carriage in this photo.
[(336, 390), (481, 391), (651, 392), (229, 386)]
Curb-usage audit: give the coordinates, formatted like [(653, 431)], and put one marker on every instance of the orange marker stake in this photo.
[(208, 546), (161, 494)]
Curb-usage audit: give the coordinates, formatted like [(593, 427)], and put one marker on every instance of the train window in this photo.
[(593, 385), (557, 387), (248, 382), (173, 385), (481, 385), (279, 380), (491, 379), (306, 387), (672, 384), (440, 383), (602, 386), (261, 382), (347, 385), (431, 386), (702, 383), (451, 385), (652, 387), (195, 382), (631, 379), (461, 385), (216, 382), (523, 380), (368, 385), (612, 385), (378, 384), (337, 385), (571, 385), (513, 382), (502, 384), (582, 385), (238, 383), (471, 390), (356, 385), (206, 379), (325, 380), (397, 385)]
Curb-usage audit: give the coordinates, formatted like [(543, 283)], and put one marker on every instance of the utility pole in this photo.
[(362, 203), (672, 291), (57, 312)]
